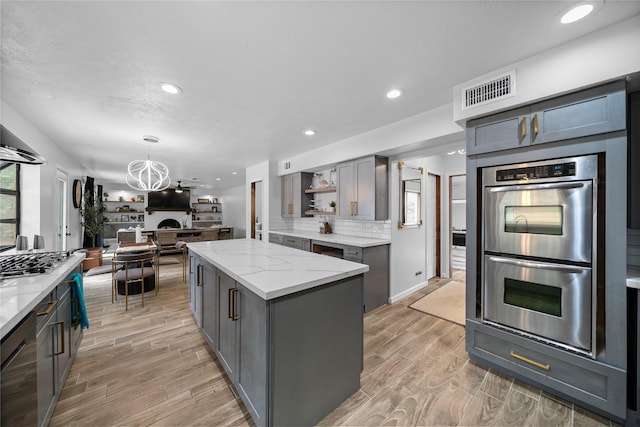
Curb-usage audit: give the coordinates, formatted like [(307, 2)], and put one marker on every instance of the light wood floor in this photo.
[(150, 366)]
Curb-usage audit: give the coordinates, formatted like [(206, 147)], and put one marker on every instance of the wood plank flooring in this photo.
[(150, 366)]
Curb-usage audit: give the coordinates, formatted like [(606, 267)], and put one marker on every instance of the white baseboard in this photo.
[(409, 291)]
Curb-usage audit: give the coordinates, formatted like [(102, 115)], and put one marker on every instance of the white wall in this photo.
[(610, 53), (431, 128), (267, 172), (38, 183), (233, 210)]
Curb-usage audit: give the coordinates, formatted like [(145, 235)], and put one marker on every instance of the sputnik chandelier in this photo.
[(148, 175)]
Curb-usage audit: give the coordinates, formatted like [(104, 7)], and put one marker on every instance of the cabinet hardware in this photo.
[(229, 304), (51, 305), (290, 208), (198, 275), (61, 324), (535, 123), (523, 127), (532, 362), (352, 252), (190, 260), (355, 208), (234, 295)]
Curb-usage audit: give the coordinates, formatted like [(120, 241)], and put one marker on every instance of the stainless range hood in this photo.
[(13, 150)]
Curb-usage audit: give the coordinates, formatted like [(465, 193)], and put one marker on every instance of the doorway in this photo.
[(457, 223), (256, 210), (61, 217), (433, 226)]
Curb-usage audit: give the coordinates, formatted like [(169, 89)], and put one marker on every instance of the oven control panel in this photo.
[(537, 172)]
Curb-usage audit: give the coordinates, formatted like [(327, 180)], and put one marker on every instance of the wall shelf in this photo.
[(321, 190), (319, 213)]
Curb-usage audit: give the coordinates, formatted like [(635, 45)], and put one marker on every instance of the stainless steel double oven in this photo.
[(540, 250)]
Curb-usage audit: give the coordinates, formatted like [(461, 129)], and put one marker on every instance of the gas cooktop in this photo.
[(20, 265)]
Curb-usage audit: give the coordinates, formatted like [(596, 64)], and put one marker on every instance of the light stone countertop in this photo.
[(19, 296), (272, 271), (633, 277), (343, 239)]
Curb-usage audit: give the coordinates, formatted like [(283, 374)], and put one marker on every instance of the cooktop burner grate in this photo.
[(20, 265)]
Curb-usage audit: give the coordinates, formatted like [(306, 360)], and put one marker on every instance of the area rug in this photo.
[(446, 302)]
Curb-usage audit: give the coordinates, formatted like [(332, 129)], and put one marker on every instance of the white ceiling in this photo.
[(254, 74)]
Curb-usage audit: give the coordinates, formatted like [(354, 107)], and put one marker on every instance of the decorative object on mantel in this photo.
[(148, 175)]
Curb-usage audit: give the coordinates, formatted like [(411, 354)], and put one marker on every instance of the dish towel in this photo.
[(77, 293)]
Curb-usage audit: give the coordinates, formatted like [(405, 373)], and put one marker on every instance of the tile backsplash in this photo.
[(370, 229)]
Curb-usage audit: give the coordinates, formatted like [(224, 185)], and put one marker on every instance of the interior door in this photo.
[(61, 218), (433, 222)]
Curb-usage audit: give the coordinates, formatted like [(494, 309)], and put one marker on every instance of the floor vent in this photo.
[(497, 88)]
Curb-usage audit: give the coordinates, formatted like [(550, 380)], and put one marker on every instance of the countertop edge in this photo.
[(362, 268), (342, 239), (54, 278), (633, 277)]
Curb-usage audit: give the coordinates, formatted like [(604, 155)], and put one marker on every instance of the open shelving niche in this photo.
[(316, 191), (114, 217), (215, 217)]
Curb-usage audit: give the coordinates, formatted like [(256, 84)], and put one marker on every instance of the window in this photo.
[(9, 204)]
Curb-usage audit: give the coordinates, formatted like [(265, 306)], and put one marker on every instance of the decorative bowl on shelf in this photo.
[(323, 184)]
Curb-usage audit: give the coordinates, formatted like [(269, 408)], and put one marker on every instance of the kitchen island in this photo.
[(286, 325)]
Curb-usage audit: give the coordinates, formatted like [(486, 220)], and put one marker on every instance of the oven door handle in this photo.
[(538, 265), (542, 186)]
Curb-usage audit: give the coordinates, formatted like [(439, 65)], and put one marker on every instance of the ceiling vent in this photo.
[(489, 91)]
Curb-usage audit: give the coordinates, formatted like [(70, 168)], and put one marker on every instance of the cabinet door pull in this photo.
[(290, 208), (352, 252), (535, 124), (532, 362), (198, 275), (229, 303), (61, 324), (523, 127), (355, 208), (234, 295), (190, 260), (51, 305)]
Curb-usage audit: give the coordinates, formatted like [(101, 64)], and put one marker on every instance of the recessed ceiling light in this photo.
[(309, 132), (462, 151), (451, 152), (576, 13), (234, 173), (170, 88), (394, 93), (218, 179)]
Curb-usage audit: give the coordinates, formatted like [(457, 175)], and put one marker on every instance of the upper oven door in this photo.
[(549, 220)]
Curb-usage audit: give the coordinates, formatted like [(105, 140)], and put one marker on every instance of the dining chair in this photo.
[(182, 247), (134, 273)]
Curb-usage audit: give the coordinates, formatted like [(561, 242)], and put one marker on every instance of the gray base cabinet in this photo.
[(594, 384), (292, 359), (57, 342)]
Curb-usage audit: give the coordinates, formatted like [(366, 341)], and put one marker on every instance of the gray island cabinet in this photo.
[(286, 326)]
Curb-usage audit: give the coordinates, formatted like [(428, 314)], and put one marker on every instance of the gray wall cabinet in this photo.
[(363, 189), (291, 359), (294, 200), (590, 112), (57, 343)]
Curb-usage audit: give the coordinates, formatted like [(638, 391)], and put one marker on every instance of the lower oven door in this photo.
[(552, 302)]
